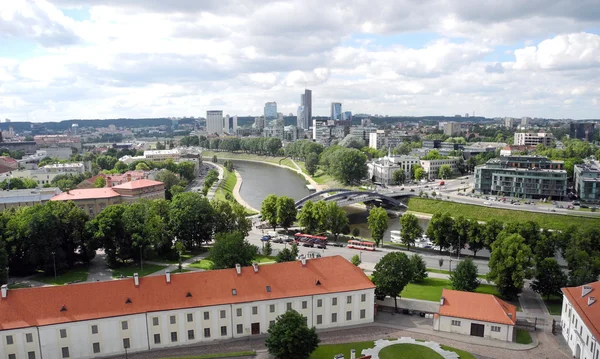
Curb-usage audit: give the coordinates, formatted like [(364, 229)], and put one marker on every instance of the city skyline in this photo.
[(67, 59)]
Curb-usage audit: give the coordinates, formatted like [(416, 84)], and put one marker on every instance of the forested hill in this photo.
[(65, 125)]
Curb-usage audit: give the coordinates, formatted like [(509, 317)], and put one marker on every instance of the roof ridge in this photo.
[(584, 312)]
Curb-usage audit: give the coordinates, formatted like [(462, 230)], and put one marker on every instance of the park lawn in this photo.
[(484, 213), (18, 286), (227, 185), (264, 259), (461, 353), (77, 274), (187, 254), (223, 355), (329, 350), (412, 351), (554, 305), (205, 264), (431, 289), (442, 271), (130, 269), (523, 336)]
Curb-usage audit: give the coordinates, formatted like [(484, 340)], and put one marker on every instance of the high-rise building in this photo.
[(300, 118), (451, 128), (347, 116), (582, 130), (508, 122), (336, 111), (234, 124), (306, 103), (214, 122), (533, 139), (270, 111)]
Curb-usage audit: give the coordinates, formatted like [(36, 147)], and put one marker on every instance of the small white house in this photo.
[(580, 320), (476, 314)]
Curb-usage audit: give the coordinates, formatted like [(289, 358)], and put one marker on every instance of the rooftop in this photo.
[(95, 300), (141, 183), (86, 193), (28, 195), (585, 302), (477, 306), (161, 152)]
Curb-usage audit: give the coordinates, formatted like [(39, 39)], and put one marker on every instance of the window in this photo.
[(124, 325), (223, 331), (191, 334), (333, 301), (173, 337), (190, 317), (126, 343), (29, 337), (254, 310), (155, 321), (156, 338), (334, 317), (173, 319), (207, 332), (30, 355), (304, 304), (289, 306), (223, 314), (319, 319), (12, 356), (65, 352), (94, 329), (96, 347), (349, 315), (319, 303), (238, 312), (9, 340), (363, 297), (495, 328), (63, 334), (456, 323), (349, 299), (363, 314), (240, 329), (206, 316), (272, 308)]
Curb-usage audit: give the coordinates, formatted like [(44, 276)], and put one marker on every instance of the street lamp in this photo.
[(450, 264), (54, 262), (360, 256)]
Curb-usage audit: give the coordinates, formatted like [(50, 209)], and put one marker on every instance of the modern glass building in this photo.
[(270, 110), (587, 181), (336, 111)]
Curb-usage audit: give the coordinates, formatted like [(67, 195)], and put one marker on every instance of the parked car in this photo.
[(337, 244), (412, 189), (321, 246), (288, 239), (308, 244), (265, 238), (278, 240), (487, 203)]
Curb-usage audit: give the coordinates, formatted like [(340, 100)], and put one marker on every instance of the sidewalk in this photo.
[(369, 268), (211, 192), (184, 265)]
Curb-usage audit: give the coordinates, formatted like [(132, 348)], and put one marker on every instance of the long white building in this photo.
[(580, 320), (138, 314)]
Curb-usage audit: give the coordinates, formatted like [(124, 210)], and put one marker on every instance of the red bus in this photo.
[(302, 238), (362, 245)]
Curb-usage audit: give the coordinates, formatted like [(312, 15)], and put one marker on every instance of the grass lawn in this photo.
[(129, 270), (184, 256), (461, 353), (484, 213), (264, 259), (205, 264), (523, 336), (412, 351), (554, 305), (18, 286), (442, 271), (227, 185), (76, 274), (431, 289), (223, 355), (328, 351)]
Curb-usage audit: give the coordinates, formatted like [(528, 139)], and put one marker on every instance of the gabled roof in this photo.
[(137, 184), (590, 314), (95, 300), (477, 306), (85, 193)]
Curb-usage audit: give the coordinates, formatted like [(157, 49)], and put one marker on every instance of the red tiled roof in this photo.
[(95, 300), (137, 184), (477, 306), (85, 193), (590, 314)]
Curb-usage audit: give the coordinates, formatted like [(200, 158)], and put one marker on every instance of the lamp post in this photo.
[(54, 262), (360, 256), (450, 264)]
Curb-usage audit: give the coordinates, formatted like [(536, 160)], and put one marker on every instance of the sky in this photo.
[(89, 59)]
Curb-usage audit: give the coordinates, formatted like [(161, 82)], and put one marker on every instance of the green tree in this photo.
[(549, 278), (312, 160), (308, 218), (230, 216), (106, 162), (3, 263), (378, 223), (285, 255), (268, 210), (142, 167), (355, 231), (290, 337), (490, 232), (187, 170), (413, 170), (474, 237), (100, 182), (169, 178), (347, 165), (191, 218), (268, 249), (286, 211), (294, 250), (334, 219), (214, 159), (398, 176), (510, 264), (419, 268), (464, 277), (445, 172), (441, 230), (392, 273), (420, 174), (355, 260), (230, 249), (121, 167), (410, 229), (461, 228)]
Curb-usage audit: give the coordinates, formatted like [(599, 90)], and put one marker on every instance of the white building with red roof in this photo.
[(580, 320)]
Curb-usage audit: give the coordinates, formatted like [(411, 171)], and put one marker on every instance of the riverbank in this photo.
[(228, 188), (238, 197)]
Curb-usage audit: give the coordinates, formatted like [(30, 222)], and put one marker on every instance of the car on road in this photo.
[(265, 238), (288, 239), (487, 203), (337, 244), (412, 189), (321, 246), (308, 244), (278, 240)]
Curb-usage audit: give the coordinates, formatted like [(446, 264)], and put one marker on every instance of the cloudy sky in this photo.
[(63, 59)]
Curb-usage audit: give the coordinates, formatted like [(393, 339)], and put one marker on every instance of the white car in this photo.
[(395, 237), (487, 203)]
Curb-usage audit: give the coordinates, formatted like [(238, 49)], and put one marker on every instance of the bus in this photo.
[(310, 241), (362, 245)]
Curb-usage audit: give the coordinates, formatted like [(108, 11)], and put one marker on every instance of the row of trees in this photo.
[(255, 145), (323, 217), (347, 165)]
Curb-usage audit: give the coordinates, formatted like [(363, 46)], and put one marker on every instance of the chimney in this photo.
[(108, 182), (136, 279), (68, 189), (303, 261), (352, 353), (4, 291), (255, 266), (591, 300), (168, 276), (585, 290), (129, 177), (238, 268), (442, 300)]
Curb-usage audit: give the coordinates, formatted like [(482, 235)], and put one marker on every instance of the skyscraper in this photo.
[(582, 130), (270, 110), (306, 103), (336, 111), (214, 122), (300, 117)]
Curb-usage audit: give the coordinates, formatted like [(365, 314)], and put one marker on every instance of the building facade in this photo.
[(336, 111), (509, 122), (579, 319), (533, 139), (582, 130), (522, 176), (26, 197), (587, 181), (214, 122), (452, 128), (432, 167), (138, 314), (382, 169), (270, 110)]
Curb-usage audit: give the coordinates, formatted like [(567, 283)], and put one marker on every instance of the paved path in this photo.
[(98, 270), (211, 192), (184, 265), (237, 196)]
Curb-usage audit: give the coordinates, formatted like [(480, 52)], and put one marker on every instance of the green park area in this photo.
[(208, 155), (483, 213), (554, 304), (216, 356), (74, 275), (208, 264), (431, 289), (413, 351), (129, 270)]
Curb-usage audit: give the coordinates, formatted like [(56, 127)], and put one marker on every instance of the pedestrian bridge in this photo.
[(345, 197)]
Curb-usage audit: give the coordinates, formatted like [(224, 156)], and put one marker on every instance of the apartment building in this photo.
[(533, 139), (432, 167), (579, 318), (382, 169), (587, 181)]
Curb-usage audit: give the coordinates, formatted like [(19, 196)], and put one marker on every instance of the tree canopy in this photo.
[(230, 249), (392, 273), (378, 224), (291, 338)]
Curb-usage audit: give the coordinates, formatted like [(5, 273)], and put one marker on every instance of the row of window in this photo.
[(30, 355), (28, 338), (457, 323)]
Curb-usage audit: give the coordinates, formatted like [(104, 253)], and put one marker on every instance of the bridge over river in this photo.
[(345, 197)]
